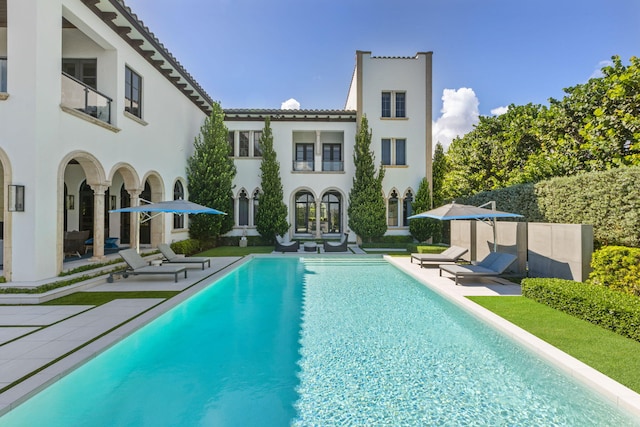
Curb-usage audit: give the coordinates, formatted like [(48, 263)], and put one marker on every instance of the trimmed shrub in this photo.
[(618, 268), (608, 200), (520, 199), (187, 247), (599, 305)]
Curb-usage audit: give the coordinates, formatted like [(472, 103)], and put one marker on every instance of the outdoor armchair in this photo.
[(283, 246), (336, 246)]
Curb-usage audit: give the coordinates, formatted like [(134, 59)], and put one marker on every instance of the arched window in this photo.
[(243, 209), (178, 194), (406, 208), (305, 212), (331, 212), (392, 214), (256, 200)]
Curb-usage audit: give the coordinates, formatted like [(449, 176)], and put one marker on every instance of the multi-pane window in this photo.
[(249, 143), (392, 210), (132, 92), (231, 138), (331, 212), (243, 149), (243, 209), (394, 151), (394, 104), (84, 70), (305, 212), (304, 157), (256, 202), (386, 104), (332, 157), (3, 74), (257, 145), (406, 208), (400, 104), (178, 194)]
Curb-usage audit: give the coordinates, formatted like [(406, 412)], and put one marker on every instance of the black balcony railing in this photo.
[(3, 74), (303, 165), (81, 97), (332, 166)]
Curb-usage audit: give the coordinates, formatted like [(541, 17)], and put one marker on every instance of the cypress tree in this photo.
[(424, 228), (271, 217), (210, 173), (439, 172), (367, 211)]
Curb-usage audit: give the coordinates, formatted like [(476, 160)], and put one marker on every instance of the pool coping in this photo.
[(618, 394)]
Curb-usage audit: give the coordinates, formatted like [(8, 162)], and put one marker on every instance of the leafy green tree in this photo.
[(438, 175), (424, 228), (599, 124), (367, 211), (210, 173), (271, 217)]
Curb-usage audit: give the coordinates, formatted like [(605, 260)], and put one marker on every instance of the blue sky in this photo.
[(487, 54)]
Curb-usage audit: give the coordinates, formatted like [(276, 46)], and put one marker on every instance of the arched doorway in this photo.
[(125, 217), (178, 194), (145, 227), (331, 212), (305, 213)]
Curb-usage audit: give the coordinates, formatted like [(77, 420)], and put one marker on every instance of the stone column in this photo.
[(318, 228), (134, 226), (98, 222)]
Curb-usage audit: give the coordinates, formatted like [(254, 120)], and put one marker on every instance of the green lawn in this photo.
[(612, 354), (99, 298)]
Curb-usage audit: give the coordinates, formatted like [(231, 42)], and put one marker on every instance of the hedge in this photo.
[(187, 247), (599, 305), (618, 268), (609, 200)]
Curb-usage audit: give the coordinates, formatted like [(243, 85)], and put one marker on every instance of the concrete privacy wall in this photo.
[(548, 250), (477, 237), (560, 250)]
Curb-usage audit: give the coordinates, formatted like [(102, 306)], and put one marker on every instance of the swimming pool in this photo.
[(316, 341)]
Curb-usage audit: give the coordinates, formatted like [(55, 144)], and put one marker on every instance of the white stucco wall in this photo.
[(38, 136)]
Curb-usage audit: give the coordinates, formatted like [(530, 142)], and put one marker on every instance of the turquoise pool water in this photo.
[(315, 342)]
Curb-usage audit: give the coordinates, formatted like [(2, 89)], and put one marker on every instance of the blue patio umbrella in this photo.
[(454, 211), (151, 210), (172, 206)]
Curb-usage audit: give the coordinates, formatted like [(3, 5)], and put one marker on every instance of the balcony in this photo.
[(303, 165), (332, 166), (78, 96)]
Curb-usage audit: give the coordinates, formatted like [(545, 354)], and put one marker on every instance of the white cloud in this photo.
[(598, 71), (499, 111), (459, 114), (290, 104)]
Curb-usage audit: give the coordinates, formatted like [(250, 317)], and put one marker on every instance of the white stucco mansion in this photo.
[(96, 114)]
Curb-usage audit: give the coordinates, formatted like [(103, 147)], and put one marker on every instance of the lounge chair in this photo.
[(137, 265), (284, 246), (450, 256), (172, 258), (336, 246), (493, 264)]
